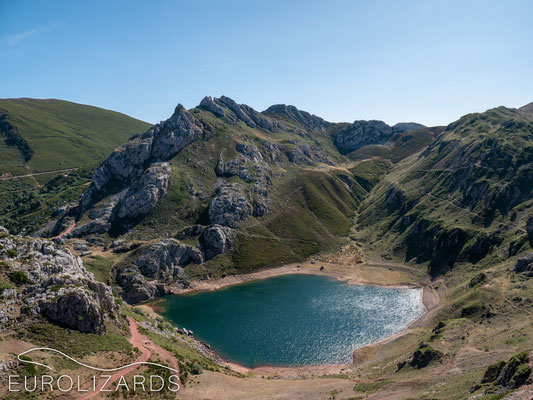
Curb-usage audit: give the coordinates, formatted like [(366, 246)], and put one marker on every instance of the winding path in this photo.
[(147, 348)]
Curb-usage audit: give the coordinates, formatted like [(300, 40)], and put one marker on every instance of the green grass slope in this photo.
[(64, 134), (467, 195)]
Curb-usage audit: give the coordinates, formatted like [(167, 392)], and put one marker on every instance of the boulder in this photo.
[(525, 265), (75, 308), (229, 206), (215, 240), (166, 257)]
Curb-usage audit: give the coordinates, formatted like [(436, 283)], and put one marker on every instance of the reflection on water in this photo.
[(294, 319)]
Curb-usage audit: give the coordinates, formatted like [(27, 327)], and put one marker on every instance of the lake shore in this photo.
[(373, 274)]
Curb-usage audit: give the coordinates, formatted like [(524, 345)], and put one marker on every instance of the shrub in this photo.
[(18, 277)]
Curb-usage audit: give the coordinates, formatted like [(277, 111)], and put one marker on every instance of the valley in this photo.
[(222, 194)]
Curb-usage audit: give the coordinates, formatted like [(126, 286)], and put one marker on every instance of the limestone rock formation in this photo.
[(231, 112), (362, 133), (154, 267), (215, 240), (166, 257), (525, 265), (144, 194), (308, 121), (55, 284), (131, 181), (229, 206), (75, 308)]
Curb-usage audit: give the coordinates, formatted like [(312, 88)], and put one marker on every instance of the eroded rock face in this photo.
[(215, 240), (155, 266), (208, 104), (135, 287), (231, 112), (229, 206), (75, 308), (306, 154), (54, 284), (430, 242), (362, 133), (131, 181), (308, 121), (165, 257), (525, 265), (250, 151), (144, 194)]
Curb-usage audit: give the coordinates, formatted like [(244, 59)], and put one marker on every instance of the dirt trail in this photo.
[(69, 229), (9, 178), (147, 348)]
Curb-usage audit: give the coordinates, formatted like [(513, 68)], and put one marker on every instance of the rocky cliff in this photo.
[(42, 278)]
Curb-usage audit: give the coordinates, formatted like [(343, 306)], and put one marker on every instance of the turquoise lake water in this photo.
[(294, 319)]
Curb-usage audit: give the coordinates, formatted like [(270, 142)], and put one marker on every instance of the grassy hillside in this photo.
[(67, 141), (64, 134), (473, 182)]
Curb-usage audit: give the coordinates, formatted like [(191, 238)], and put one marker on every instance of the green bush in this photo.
[(18, 277)]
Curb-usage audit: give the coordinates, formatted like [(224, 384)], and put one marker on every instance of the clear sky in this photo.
[(427, 61)]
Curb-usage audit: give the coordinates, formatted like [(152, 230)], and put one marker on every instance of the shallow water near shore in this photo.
[(294, 320)]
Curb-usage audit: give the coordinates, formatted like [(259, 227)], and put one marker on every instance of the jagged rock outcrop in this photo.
[(362, 133), (304, 154), (430, 242), (215, 240), (75, 308), (250, 151), (272, 152), (231, 112), (525, 265), (131, 181), (154, 267), (135, 287), (236, 167), (208, 104), (424, 355), (291, 113), (55, 284), (401, 127), (506, 375), (481, 247), (229, 206), (166, 258), (144, 194)]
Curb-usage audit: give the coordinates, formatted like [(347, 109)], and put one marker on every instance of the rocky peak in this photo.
[(401, 127), (130, 182), (527, 109), (308, 121), (362, 133), (228, 109)]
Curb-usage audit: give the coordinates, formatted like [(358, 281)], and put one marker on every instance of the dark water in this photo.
[(294, 319)]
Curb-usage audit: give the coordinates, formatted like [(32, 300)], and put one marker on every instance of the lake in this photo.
[(294, 320)]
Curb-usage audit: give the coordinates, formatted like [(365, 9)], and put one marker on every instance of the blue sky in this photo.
[(424, 61)]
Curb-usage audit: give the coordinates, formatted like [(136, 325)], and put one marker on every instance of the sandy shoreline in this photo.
[(351, 275), (376, 275)]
